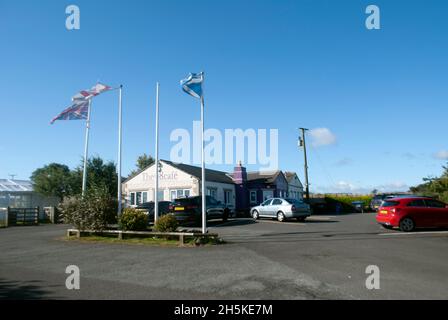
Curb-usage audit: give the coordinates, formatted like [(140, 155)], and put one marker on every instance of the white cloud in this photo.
[(442, 155), (322, 137)]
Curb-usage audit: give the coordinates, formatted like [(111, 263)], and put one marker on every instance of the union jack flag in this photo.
[(80, 106), (77, 111), (94, 91)]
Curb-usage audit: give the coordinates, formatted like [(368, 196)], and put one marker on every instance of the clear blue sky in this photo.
[(269, 64)]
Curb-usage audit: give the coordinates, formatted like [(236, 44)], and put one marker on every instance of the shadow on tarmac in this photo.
[(17, 290)]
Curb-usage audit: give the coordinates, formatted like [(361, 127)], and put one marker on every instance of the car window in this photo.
[(267, 202), (276, 202), (390, 203), (294, 201), (435, 204), (417, 203)]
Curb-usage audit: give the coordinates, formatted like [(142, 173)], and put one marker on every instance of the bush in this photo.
[(346, 202), (94, 211), (133, 220), (166, 223)]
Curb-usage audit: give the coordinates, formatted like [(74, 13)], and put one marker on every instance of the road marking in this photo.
[(412, 233)]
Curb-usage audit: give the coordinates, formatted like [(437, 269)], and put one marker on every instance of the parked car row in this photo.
[(406, 212), (189, 210)]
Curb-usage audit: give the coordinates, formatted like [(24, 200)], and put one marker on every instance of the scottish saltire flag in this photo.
[(193, 84), (77, 111)]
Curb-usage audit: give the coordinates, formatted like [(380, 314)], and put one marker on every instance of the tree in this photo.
[(143, 162), (99, 175), (434, 186), (53, 179)]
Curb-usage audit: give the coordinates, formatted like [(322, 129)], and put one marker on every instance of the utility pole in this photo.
[(302, 143), (12, 176)]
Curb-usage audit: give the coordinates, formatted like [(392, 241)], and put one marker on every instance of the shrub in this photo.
[(71, 211), (346, 202), (166, 223), (93, 211), (133, 220)]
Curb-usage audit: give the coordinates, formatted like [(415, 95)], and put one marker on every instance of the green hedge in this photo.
[(346, 202)]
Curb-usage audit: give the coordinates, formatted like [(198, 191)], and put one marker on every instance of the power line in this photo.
[(324, 169)]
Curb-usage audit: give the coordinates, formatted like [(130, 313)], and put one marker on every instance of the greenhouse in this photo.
[(20, 194)]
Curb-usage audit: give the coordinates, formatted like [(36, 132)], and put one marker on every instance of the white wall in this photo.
[(171, 178)]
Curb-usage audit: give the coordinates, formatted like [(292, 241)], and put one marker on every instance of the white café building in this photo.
[(177, 180), (239, 190)]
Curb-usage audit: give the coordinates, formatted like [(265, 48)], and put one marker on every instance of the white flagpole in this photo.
[(204, 208), (86, 150), (119, 149), (156, 186)]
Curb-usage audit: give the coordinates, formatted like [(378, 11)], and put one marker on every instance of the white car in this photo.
[(282, 209)]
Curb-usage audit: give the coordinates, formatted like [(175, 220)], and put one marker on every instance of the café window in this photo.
[(179, 193), (138, 198)]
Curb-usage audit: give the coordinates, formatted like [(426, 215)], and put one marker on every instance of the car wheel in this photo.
[(407, 225), (255, 215), (281, 216)]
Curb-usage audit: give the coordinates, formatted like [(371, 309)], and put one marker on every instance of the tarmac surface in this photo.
[(324, 257)]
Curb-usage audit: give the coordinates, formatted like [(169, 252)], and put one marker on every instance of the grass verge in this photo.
[(152, 241)]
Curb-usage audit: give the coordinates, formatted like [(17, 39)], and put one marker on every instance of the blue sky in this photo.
[(381, 95)]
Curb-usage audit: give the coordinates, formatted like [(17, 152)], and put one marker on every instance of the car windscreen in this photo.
[(390, 203)]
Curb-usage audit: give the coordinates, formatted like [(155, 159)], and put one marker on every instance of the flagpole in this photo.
[(204, 208), (156, 186), (119, 148), (86, 150)]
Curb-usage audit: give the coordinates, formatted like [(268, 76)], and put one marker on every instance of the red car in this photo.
[(413, 212)]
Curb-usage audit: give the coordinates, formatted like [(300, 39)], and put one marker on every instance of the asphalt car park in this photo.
[(324, 257)]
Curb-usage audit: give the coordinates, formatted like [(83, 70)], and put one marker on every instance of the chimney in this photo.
[(239, 174), (241, 191)]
